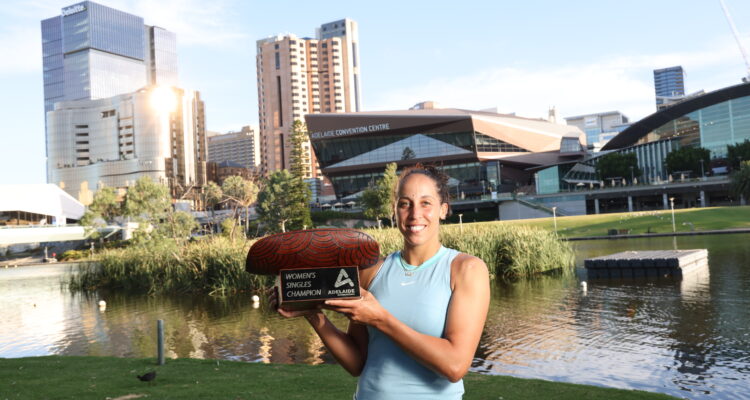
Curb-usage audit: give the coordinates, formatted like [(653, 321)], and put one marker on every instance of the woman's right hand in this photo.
[(273, 301)]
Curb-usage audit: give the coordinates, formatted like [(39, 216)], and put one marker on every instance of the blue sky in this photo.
[(521, 56)]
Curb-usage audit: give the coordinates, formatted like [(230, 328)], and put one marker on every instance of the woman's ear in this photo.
[(443, 211)]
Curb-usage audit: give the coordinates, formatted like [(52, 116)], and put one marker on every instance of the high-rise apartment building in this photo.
[(156, 131), (669, 83), (241, 147), (298, 76), (91, 52)]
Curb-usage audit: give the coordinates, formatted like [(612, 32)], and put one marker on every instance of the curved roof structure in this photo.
[(528, 133), (631, 135), (44, 199)]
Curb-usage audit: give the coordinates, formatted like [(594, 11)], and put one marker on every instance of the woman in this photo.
[(414, 332)]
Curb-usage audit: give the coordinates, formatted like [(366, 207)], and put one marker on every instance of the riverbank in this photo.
[(115, 378), (647, 223)]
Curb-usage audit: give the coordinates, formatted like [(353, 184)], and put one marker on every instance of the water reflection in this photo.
[(688, 337)]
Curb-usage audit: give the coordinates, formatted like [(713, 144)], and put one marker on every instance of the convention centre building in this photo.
[(483, 153)]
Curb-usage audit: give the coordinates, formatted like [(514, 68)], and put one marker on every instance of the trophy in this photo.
[(313, 265)]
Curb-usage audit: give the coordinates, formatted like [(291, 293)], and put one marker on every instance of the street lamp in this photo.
[(461, 222), (631, 175), (554, 217), (703, 175), (671, 205)]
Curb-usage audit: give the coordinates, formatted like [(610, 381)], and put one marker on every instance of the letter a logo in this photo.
[(343, 279)]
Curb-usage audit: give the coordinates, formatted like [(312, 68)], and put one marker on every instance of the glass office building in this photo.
[(481, 152), (91, 51), (668, 82)]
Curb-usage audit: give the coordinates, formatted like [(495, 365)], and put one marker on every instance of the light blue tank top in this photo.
[(421, 302)]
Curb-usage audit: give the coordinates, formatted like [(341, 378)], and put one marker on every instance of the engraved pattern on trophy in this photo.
[(312, 248)]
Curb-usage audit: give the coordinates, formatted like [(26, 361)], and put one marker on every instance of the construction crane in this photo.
[(746, 78)]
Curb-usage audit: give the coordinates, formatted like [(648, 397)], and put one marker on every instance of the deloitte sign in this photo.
[(73, 10)]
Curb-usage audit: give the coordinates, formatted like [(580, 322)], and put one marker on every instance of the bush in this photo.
[(71, 255)]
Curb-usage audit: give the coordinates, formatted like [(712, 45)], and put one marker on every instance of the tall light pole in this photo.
[(671, 205), (554, 217), (703, 175)]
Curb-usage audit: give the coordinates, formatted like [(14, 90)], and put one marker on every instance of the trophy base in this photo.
[(306, 288)]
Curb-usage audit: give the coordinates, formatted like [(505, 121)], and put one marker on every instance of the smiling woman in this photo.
[(414, 331)]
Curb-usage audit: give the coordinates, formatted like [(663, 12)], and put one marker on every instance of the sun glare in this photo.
[(163, 99)]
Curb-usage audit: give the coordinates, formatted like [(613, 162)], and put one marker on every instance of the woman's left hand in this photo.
[(365, 310)]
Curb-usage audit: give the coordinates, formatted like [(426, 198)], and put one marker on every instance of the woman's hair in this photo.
[(439, 177)]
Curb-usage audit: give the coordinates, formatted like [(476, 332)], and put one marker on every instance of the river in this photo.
[(689, 338)]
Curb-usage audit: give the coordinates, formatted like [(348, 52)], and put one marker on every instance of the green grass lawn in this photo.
[(56, 377), (686, 220)]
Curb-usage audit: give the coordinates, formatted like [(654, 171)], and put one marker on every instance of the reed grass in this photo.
[(215, 265), (509, 251)]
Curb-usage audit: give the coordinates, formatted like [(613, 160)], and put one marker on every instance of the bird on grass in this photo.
[(147, 377)]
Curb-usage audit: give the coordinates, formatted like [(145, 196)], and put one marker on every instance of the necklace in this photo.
[(409, 269)]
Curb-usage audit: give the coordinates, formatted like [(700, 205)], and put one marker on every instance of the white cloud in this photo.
[(195, 22), (624, 83)]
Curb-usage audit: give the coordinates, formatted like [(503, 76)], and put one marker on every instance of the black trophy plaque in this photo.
[(305, 288)]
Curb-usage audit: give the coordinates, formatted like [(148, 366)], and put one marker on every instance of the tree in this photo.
[(102, 211), (738, 152), (240, 193), (408, 153), (299, 160), (148, 203), (178, 225), (689, 159), (212, 196), (378, 199), (616, 165), (283, 203), (740, 185), (147, 199)]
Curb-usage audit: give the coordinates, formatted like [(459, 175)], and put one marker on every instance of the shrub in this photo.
[(71, 255)]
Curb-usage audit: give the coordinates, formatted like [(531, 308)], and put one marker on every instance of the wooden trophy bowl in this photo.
[(312, 248)]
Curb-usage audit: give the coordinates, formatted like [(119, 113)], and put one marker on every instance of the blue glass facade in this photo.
[(92, 51), (469, 177), (713, 127), (669, 82), (52, 61), (162, 57)]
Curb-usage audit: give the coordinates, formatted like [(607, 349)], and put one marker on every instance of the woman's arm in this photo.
[(452, 354), (348, 348)]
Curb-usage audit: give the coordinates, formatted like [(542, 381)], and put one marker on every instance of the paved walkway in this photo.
[(646, 235)]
